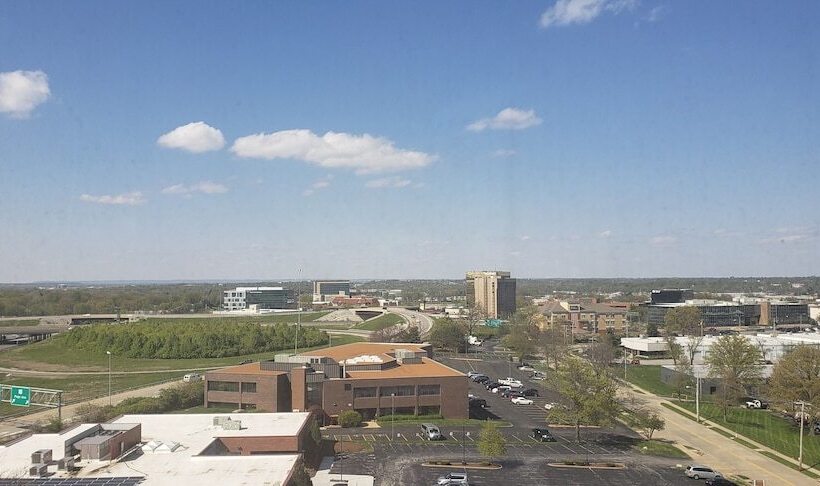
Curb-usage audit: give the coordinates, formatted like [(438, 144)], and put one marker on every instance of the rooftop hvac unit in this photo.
[(150, 446), (40, 470), (232, 425), (167, 447), (42, 456), (66, 464), (218, 421)]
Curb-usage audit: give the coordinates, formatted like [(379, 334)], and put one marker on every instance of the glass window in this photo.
[(399, 391), (248, 387), (364, 392), (227, 386), (429, 389)]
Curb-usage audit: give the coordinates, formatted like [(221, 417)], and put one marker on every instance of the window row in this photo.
[(399, 391)]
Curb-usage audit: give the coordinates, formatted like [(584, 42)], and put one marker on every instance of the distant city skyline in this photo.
[(364, 140)]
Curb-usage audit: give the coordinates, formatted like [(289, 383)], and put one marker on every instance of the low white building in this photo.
[(181, 450), (772, 345)]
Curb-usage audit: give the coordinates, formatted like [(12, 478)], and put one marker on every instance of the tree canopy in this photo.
[(588, 397), (449, 334), (491, 442), (736, 361), (184, 340), (796, 377)]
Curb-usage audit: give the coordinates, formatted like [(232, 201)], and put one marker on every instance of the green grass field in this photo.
[(19, 322), (51, 356), (764, 427), (647, 377), (659, 448), (85, 387), (382, 322)]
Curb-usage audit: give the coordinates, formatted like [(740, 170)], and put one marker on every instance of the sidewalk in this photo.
[(713, 449)]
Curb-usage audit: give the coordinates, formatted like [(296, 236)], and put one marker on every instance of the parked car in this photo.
[(477, 403), (522, 401), (501, 388), (246, 361), (192, 377), (510, 381), (453, 478), (720, 481), (697, 471), (538, 376), (481, 379), (550, 405), (816, 428), (471, 374), (491, 384), (526, 368), (511, 393), (530, 392), (542, 435), (755, 403), (431, 432)]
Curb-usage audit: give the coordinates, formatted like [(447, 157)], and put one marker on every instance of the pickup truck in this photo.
[(754, 403)]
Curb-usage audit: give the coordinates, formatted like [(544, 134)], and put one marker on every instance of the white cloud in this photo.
[(196, 137), (204, 187), (663, 240), (365, 153), (318, 185), (507, 119), (568, 12), (127, 199), (388, 182), (525, 238), (605, 234), (22, 91), (503, 153)]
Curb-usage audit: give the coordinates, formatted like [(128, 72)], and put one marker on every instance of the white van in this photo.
[(192, 377)]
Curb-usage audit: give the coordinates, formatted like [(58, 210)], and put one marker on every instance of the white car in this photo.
[(522, 401), (550, 406), (526, 368), (498, 389), (509, 381)]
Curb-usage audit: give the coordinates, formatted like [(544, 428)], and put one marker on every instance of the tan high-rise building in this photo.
[(492, 292)]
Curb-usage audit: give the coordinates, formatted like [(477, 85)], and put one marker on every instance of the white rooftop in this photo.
[(179, 462)]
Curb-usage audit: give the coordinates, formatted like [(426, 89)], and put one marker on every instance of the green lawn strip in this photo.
[(33, 356), (763, 427), (659, 448), (20, 322), (789, 464), (411, 419), (647, 377), (382, 322), (85, 387)]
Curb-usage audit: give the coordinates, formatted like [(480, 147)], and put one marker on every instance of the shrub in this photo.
[(350, 418)]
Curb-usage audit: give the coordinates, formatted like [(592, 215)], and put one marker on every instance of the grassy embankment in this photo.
[(378, 323), (19, 322), (764, 427)]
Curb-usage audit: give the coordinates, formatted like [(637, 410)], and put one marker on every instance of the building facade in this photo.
[(372, 378), (584, 317), (492, 292), (325, 290), (258, 298)]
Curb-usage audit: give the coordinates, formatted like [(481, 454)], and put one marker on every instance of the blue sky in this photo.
[(258, 140)]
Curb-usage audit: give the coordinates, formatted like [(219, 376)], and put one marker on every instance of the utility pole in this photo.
[(109, 376), (298, 316), (697, 395), (392, 414), (802, 417)]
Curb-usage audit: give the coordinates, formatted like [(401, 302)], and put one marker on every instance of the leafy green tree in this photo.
[(588, 397), (796, 377), (491, 442), (736, 361), (449, 334), (553, 344), (350, 418), (524, 333), (649, 422)]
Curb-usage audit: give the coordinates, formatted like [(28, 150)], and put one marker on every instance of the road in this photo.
[(718, 451), (423, 321)]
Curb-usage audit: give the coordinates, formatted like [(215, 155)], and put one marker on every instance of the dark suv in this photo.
[(530, 392), (478, 403), (542, 435)]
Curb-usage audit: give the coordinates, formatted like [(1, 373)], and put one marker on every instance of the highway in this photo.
[(423, 321)]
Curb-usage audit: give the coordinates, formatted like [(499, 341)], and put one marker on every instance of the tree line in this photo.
[(186, 340)]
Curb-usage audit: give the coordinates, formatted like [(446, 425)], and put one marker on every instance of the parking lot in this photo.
[(399, 451)]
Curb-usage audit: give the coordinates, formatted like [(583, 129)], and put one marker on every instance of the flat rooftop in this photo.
[(184, 466), (354, 350), (248, 369)]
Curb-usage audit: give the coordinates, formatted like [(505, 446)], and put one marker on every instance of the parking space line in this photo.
[(584, 448), (516, 437), (565, 447)]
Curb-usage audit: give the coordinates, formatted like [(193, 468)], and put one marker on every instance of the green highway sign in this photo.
[(20, 396)]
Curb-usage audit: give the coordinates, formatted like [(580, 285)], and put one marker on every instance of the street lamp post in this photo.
[(392, 415), (802, 417), (463, 454), (109, 377)]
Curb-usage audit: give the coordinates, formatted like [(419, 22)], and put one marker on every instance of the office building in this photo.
[(326, 290), (258, 298), (372, 378), (583, 317), (179, 449), (492, 292), (671, 296)]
